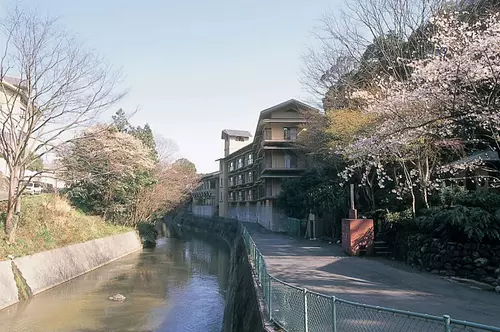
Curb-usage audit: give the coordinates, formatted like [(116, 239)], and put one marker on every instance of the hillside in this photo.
[(48, 221)]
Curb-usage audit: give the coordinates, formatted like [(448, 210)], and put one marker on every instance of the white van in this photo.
[(33, 189)]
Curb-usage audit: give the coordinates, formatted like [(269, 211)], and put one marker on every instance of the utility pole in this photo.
[(353, 213)]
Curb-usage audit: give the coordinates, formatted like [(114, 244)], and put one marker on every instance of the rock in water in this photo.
[(118, 298)]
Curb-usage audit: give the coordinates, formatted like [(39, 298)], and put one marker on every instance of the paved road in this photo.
[(324, 268)]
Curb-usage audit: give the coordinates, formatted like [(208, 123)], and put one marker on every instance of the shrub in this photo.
[(148, 234), (460, 223), (488, 201)]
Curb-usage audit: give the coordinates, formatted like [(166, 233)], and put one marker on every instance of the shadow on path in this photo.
[(326, 269)]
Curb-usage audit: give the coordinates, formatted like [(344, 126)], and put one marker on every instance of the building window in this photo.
[(250, 159), (290, 133), (250, 196), (239, 139), (231, 181), (268, 134), (240, 196), (250, 177), (240, 179), (221, 182), (290, 161), (240, 162), (231, 196), (221, 197), (231, 166)]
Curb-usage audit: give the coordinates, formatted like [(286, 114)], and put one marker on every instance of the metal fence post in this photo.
[(256, 264), (270, 296), (447, 322), (306, 323), (334, 314)]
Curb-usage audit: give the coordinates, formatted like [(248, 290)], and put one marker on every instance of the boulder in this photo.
[(480, 262)]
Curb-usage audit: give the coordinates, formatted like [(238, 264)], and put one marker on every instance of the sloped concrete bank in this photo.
[(30, 275), (242, 312), (8, 289)]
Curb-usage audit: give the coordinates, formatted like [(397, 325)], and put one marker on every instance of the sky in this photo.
[(196, 67)]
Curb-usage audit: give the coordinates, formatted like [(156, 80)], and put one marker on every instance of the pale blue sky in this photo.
[(197, 67)]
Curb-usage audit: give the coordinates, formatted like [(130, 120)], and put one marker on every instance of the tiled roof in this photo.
[(233, 132)]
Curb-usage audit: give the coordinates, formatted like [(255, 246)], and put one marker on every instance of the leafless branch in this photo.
[(51, 86)]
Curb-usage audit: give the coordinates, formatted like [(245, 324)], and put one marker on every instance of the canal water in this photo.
[(178, 286)]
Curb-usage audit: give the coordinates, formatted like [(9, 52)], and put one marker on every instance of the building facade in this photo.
[(14, 112), (206, 195), (252, 171), (251, 176)]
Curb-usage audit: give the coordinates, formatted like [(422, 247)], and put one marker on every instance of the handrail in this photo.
[(304, 322)]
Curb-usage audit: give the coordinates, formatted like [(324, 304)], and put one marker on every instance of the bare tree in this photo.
[(343, 39), (50, 86), (174, 184), (166, 149)]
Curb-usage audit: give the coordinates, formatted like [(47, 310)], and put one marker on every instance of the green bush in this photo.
[(460, 223), (488, 201), (148, 234)]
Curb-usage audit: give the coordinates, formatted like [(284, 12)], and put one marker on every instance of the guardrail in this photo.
[(297, 309)]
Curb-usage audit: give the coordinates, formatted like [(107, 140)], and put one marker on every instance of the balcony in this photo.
[(266, 193), (286, 135), (283, 165)]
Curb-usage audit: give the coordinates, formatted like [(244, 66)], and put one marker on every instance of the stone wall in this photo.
[(41, 271), (242, 312), (479, 262)]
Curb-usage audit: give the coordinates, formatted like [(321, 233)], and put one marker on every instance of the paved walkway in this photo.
[(324, 268)]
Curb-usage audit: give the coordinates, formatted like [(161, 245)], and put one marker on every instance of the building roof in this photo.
[(209, 175), (234, 132), (14, 81), (289, 104), (478, 157)]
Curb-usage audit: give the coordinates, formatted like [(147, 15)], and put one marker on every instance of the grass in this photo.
[(48, 221)]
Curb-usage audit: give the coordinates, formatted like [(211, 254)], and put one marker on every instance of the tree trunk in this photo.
[(10, 219), (413, 203), (18, 198), (426, 198)]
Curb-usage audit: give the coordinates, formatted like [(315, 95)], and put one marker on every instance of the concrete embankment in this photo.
[(33, 274), (8, 289), (242, 312)]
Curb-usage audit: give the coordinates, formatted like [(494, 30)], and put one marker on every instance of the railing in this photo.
[(298, 164), (298, 309)]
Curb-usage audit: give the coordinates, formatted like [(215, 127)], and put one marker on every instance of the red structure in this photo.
[(357, 236)]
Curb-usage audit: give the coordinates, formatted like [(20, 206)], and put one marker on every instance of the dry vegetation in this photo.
[(49, 221)]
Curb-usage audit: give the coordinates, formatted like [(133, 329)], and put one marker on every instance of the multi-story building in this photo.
[(251, 176), (206, 195), (14, 115)]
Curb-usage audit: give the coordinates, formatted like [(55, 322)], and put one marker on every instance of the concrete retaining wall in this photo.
[(268, 216), (242, 312), (8, 288), (47, 269), (203, 210)]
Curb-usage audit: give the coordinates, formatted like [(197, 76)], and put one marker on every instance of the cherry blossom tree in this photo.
[(448, 104)]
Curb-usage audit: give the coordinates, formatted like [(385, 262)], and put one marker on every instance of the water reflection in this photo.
[(178, 286)]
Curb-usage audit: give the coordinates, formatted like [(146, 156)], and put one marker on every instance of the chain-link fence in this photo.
[(297, 309)]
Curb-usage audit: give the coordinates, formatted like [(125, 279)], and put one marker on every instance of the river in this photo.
[(178, 286)]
